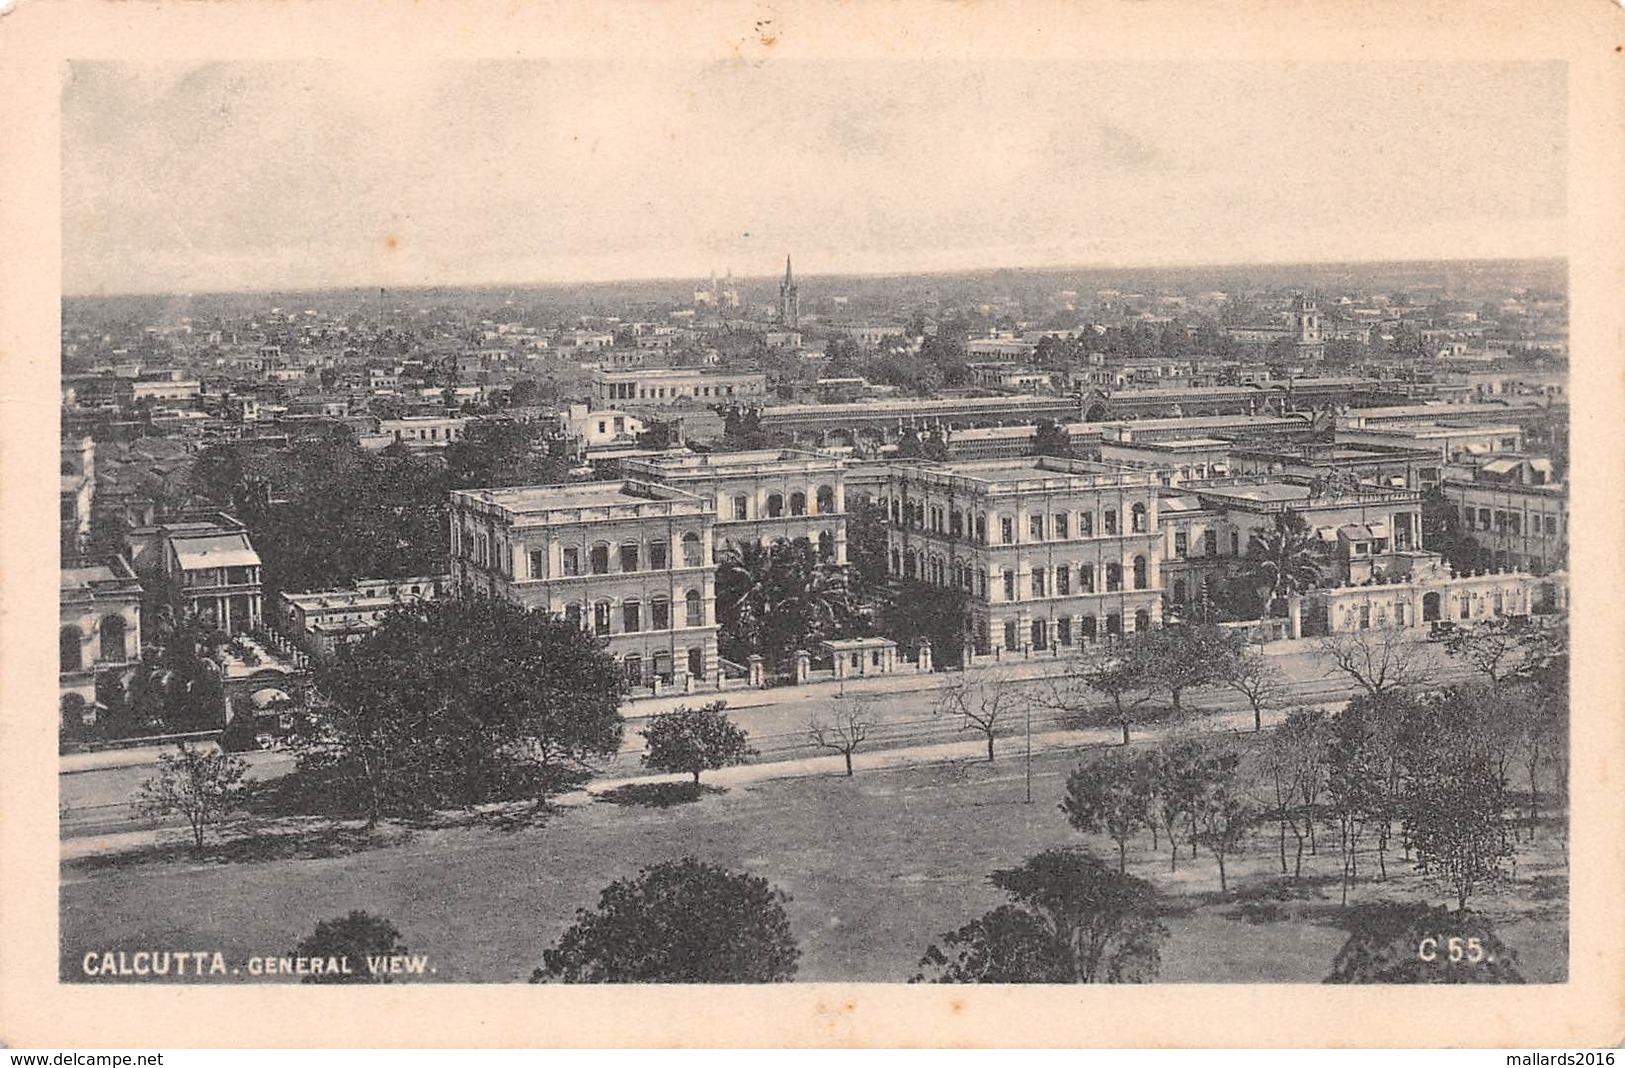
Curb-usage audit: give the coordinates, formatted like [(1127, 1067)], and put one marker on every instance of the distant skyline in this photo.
[(246, 176)]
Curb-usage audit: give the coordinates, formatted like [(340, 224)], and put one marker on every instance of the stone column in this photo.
[(758, 677), (803, 666), (923, 661), (1294, 616)]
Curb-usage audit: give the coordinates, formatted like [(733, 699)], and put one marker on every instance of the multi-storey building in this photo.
[(325, 620), (1515, 509), (630, 561), (1047, 551), (764, 495), (100, 624), (674, 385), (216, 573), (1207, 528)]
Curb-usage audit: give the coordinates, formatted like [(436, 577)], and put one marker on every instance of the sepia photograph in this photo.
[(732, 516)]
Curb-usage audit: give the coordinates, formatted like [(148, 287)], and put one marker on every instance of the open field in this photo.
[(878, 867)]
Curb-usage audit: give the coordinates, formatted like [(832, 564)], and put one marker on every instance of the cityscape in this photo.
[(784, 621)]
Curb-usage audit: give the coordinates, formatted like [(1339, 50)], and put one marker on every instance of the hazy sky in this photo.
[(249, 175)]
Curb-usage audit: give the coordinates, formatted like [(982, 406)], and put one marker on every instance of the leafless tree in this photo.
[(847, 729), (983, 700), (1381, 659), (1256, 679)]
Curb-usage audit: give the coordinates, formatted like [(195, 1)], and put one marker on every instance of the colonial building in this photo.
[(1427, 592), (216, 574), (763, 495), (1048, 551), (1208, 526), (663, 386), (630, 561), (77, 493), (100, 624), (325, 620), (1515, 509)]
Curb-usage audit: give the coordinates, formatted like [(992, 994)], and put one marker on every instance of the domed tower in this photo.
[(1306, 327)]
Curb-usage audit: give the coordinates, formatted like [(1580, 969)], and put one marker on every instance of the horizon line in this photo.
[(687, 279)]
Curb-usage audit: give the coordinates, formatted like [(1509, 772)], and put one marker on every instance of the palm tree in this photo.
[(778, 599), (1285, 558)]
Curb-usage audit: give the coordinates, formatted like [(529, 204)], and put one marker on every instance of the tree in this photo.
[(910, 611), (1052, 440), (1256, 679), (465, 701), (983, 702), (866, 546), (1495, 648), (1222, 817), (1181, 771), (1293, 764), (693, 740), (202, 786), (678, 922), (1109, 796), (1379, 660), (1282, 560), (776, 599), (1180, 657), (1415, 942), (1455, 821), (356, 943), (502, 452), (1075, 921), (849, 729)]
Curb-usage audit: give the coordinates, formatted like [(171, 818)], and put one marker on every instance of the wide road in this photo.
[(901, 711)]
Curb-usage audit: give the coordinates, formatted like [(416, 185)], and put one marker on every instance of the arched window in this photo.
[(956, 523), (1114, 577), (696, 662), (1142, 620), (693, 609), (1136, 518), (572, 615), (629, 556), (826, 545), (909, 568), (798, 503), (741, 507), (1110, 524), (896, 562), (659, 613), (634, 669), (1114, 625), (896, 512), (1088, 628), (1139, 572), (600, 617), (68, 647), (631, 617), (1086, 578), (693, 553), (775, 505), (981, 529), (598, 558), (826, 500), (113, 639)]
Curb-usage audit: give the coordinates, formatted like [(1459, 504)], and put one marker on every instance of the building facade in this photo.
[(629, 561), (659, 387), (216, 573), (324, 621), (1515, 509), (1049, 552), (762, 496), (100, 624)]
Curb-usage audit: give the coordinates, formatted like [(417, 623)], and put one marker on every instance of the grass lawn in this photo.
[(877, 866)]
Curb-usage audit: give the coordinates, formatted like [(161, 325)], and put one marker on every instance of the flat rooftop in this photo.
[(575, 496), (1266, 492)]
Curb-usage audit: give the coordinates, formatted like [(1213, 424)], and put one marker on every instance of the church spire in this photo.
[(788, 280)]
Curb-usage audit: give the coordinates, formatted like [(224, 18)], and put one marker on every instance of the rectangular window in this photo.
[(1086, 578), (1007, 530), (660, 614), (1063, 580), (1063, 630), (1061, 526), (600, 617), (1111, 522), (694, 612), (1086, 524), (1182, 543), (1012, 636), (1039, 583), (741, 507), (538, 563), (1009, 585), (1210, 543), (657, 555), (1035, 527), (631, 617), (629, 556), (1551, 525)]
